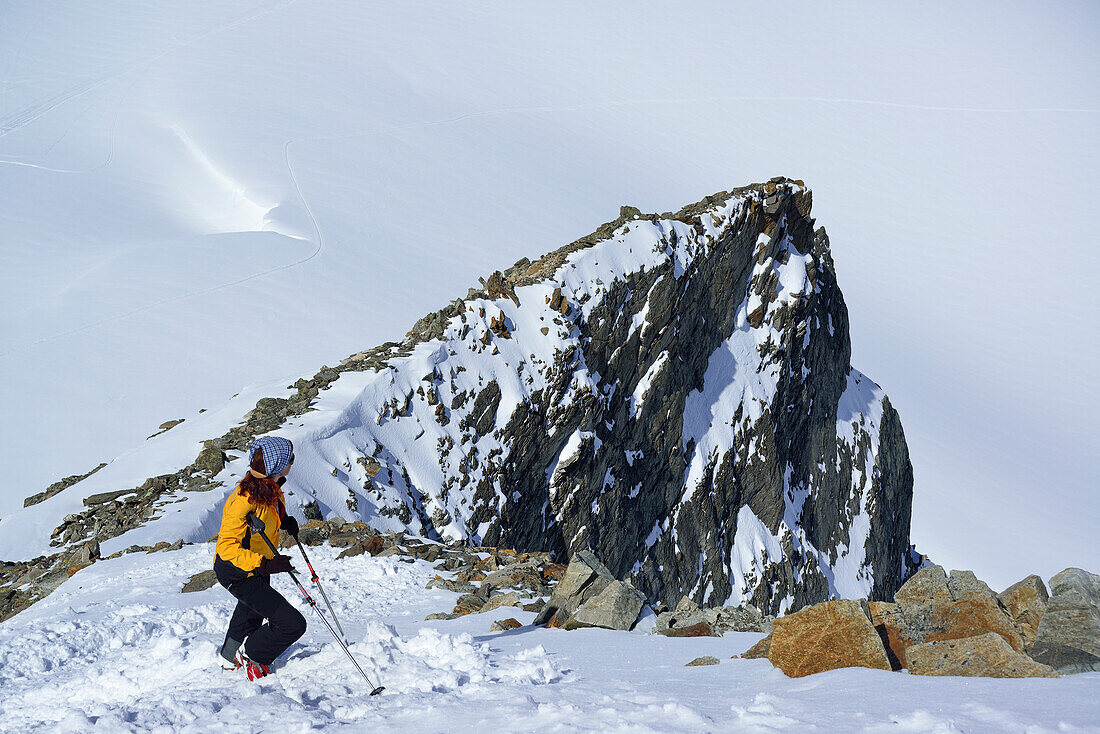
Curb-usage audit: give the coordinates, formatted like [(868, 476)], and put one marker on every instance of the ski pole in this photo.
[(258, 525), (317, 581)]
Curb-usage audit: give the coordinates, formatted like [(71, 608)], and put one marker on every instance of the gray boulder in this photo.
[(965, 585), (1068, 637), (585, 578), (1076, 579), (616, 608), (704, 660)]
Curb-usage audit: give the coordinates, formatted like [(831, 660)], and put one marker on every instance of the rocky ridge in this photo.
[(672, 392)]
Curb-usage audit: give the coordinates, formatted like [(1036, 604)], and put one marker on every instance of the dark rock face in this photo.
[(783, 457)]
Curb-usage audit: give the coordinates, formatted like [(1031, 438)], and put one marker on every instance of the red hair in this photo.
[(257, 490)]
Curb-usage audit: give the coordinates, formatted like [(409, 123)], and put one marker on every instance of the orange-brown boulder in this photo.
[(934, 608), (826, 636), (956, 620), (503, 625), (373, 545), (759, 650), (987, 655)]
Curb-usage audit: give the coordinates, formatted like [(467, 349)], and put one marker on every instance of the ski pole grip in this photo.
[(255, 523)]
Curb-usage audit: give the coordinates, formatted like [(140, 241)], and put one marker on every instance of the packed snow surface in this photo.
[(118, 648)]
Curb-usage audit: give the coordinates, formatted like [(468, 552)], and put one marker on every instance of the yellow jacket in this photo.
[(239, 552)]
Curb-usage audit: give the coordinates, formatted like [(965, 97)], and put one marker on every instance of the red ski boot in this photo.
[(255, 670)]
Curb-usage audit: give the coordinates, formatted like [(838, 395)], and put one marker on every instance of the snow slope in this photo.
[(118, 648), (201, 197)]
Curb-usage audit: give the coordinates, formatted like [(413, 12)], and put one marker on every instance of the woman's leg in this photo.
[(244, 622), (285, 624)]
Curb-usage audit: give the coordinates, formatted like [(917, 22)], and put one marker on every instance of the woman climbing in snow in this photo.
[(244, 564)]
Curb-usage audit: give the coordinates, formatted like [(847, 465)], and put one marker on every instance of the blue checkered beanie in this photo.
[(277, 452)]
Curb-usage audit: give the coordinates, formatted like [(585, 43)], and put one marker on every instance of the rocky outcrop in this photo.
[(672, 392), (643, 470)]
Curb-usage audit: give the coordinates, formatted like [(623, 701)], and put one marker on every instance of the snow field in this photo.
[(141, 657), (119, 649)]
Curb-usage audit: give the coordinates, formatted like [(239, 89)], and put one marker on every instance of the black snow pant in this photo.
[(257, 601)]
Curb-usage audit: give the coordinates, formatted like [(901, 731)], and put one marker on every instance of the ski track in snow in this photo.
[(117, 648)]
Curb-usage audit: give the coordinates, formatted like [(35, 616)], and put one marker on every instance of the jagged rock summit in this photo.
[(672, 393)]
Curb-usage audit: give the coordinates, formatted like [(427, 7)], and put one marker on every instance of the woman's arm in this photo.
[(231, 535)]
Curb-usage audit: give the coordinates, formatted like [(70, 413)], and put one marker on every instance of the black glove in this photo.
[(281, 481), (290, 525), (278, 564)]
